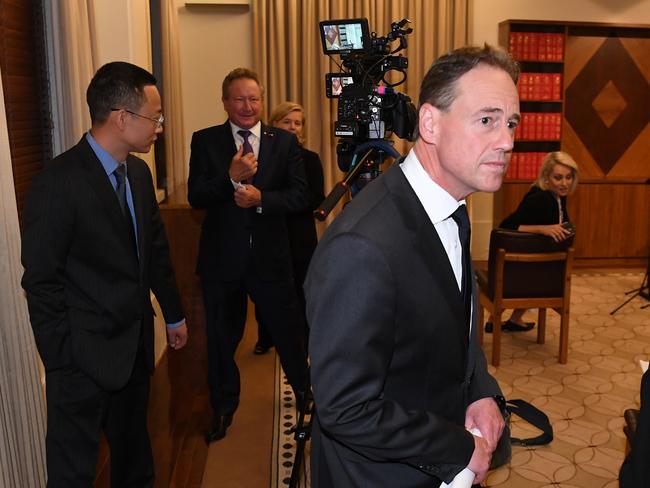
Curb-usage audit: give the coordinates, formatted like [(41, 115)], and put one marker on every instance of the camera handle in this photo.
[(370, 148)]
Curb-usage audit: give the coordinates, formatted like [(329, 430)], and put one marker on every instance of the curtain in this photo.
[(177, 167), (289, 59), (70, 63), (22, 404)]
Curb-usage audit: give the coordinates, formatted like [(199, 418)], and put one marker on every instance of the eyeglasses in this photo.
[(156, 120)]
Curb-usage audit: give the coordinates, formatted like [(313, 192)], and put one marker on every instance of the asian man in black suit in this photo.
[(247, 176), (93, 248), (398, 376)]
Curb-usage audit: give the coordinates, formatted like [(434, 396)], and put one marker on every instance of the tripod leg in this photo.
[(624, 303)]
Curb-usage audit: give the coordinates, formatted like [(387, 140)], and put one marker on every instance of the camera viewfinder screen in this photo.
[(343, 35), (337, 84)]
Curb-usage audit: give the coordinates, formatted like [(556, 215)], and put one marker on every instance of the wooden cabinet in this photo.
[(585, 89)]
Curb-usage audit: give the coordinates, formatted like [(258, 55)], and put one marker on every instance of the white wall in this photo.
[(214, 39), (485, 18)]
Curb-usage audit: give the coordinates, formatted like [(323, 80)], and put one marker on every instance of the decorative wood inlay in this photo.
[(610, 64)]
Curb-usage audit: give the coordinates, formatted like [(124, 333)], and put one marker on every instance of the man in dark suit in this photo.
[(93, 248), (397, 374), (248, 176)]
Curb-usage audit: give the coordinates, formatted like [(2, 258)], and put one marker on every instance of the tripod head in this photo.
[(368, 165)]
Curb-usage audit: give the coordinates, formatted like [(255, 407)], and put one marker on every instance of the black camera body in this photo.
[(368, 106), (369, 109)]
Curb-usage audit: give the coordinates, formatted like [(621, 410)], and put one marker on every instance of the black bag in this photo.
[(533, 416)]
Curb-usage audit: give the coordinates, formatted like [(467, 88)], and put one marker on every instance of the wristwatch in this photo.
[(501, 403)]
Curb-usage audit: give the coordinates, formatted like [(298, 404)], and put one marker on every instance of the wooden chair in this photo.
[(526, 271)]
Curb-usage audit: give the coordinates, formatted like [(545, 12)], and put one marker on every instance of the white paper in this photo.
[(465, 478), (644, 365)]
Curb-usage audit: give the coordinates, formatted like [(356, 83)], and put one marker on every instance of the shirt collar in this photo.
[(256, 130), (437, 203), (108, 163)]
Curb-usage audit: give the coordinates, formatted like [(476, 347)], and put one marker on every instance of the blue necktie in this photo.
[(120, 176)]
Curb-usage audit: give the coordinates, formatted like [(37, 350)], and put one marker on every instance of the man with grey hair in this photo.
[(247, 176)]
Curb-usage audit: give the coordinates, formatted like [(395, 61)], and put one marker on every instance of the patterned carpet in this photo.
[(584, 399)]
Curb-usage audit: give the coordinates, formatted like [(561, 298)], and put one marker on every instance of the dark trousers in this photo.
[(78, 410), (300, 267), (225, 305)]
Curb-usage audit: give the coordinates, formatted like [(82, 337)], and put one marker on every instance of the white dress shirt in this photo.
[(439, 205)]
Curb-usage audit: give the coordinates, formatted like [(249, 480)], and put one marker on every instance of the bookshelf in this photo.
[(584, 89), (539, 49)]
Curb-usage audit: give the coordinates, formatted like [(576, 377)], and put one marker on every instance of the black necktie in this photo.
[(120, 176), (462, 220)]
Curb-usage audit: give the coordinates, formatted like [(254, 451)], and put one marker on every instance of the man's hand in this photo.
[(242, 167), (484, 414), (480, 461), (177, 336), (247, 196)]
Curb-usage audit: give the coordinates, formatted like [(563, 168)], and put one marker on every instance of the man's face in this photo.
[(471, 143), (142, 130), (244, 102)]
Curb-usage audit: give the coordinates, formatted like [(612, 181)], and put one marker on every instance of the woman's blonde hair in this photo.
[(285, 108), (551, 159)]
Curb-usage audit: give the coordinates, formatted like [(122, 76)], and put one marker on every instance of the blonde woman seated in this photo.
[(543, 211), (301, 225)]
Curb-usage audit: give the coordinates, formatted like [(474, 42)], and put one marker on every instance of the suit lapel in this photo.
[(427, 242), (102, 188), (266, 145)]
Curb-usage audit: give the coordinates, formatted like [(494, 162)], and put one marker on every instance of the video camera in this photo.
[(369, 109)]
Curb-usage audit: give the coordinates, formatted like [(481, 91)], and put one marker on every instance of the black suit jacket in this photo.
[(230, 234), (88, 294), (302, 226), (391, 367), (538, 207), (635, 471)]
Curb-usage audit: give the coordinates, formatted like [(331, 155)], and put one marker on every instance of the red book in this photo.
[(559, 47), (511, 171), (526, 126), (539, 126), (525, 48), (547, 127), (546, 86), (542, 48), (523, 86), (534, 46), (556, 86), (537, 86)]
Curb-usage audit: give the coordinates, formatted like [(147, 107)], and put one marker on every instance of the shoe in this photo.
[(510, 326), (217, 431), (260, 349)]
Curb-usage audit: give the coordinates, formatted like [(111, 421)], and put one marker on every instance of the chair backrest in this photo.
[(527, 279)]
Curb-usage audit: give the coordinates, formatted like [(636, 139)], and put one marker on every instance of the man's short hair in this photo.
[(236, 74), (438, 86), (117, 85)]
